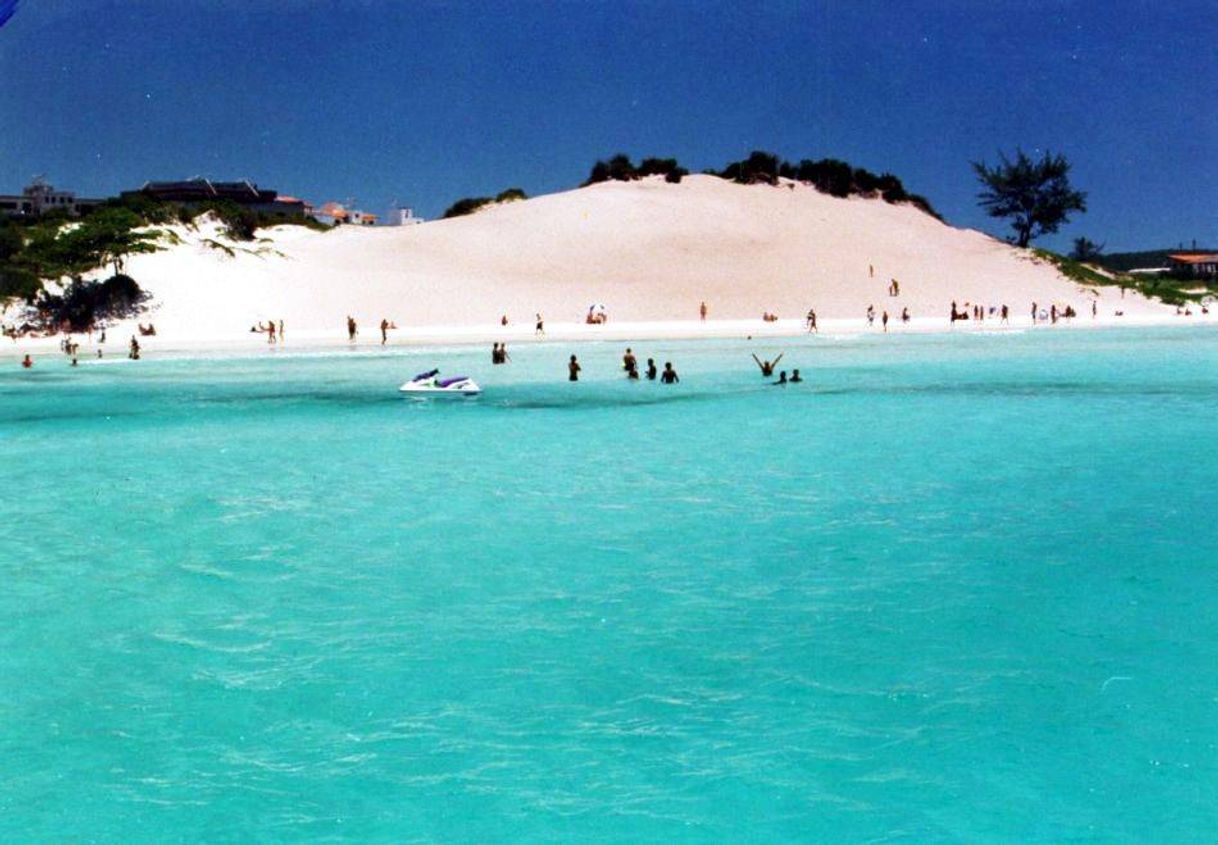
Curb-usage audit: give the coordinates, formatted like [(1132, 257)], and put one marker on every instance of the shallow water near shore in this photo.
[(951, 588)]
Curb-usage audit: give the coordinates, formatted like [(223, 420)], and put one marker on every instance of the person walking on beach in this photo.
[(669, 376), (1033, 313), (870, 315), (281, 331), (884, 320), (541, 326), (811, 319), (352, 330), (651, 369), (1006, 312), (270, 332), (1093, 309), (702, 311), (384, 330), (1053, 313), (573, 369)]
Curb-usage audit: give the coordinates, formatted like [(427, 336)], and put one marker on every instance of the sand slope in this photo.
[(649, 251)]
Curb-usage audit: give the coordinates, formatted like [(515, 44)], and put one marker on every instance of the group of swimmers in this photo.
[(767, 370)]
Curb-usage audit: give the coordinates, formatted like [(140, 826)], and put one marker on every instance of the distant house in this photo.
[(39, 197), (403, 216), (336, 214), (1194, 263), (197, 191)]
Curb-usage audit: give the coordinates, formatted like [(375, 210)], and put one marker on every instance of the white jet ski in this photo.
[(429, 383)]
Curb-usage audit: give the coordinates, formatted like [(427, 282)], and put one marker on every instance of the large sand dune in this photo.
[(649, 251)]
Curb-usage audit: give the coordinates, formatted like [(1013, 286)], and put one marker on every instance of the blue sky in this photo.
[(426, 103)]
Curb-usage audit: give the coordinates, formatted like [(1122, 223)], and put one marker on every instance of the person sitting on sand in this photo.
[(782, 378), (503, 320), (573, 369), (767, 367), (651, 369), (669, 376), (795, 379), (905, 314)]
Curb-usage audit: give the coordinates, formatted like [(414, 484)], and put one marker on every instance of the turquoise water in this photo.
[(950, 589)]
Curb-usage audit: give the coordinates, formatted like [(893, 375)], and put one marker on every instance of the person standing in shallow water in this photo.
[(651, 369), (573, 369), (795, 379), (669, 376), (629, 363)]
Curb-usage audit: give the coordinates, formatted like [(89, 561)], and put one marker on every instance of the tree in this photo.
[(1086, 249), (1036, 195)]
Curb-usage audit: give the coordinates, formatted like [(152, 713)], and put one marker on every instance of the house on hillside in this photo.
[(1194, 263), (335, 214), (198, 191), (39, 197)]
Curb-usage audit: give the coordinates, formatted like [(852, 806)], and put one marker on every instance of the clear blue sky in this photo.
[(427, 102)]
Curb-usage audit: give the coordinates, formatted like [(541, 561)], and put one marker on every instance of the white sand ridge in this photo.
[(650, 251)]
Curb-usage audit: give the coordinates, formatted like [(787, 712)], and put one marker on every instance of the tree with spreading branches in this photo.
[(1035, 195)]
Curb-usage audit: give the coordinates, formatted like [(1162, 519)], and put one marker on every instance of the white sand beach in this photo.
[(649, 251)]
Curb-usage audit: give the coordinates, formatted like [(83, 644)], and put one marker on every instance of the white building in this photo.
[(39, 197), (403, 216)]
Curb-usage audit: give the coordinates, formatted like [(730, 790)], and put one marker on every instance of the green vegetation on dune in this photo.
[(469, 205), (1167, 289), (829, 176)]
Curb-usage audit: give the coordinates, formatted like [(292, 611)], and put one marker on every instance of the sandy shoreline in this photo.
[(118, 336)]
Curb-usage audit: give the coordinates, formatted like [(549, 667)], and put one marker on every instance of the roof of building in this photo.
[(1194, 257)]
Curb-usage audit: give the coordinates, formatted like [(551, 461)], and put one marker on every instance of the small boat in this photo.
[(429, 383)]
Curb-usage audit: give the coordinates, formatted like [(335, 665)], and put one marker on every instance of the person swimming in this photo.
[(795, 377), (782, 378), (767, 367)]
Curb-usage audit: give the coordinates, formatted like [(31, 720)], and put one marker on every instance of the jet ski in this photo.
[(429, 383)]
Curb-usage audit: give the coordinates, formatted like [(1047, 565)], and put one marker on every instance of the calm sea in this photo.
[(950, 589)]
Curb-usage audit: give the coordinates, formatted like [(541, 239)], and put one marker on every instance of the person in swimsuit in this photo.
[(651, 369), (795, 379), (573, 369), (669, 376), (767, 367)]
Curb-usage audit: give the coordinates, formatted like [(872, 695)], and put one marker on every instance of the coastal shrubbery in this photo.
[(619, 168), (84, 305), (829, 176), (471, 204)]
